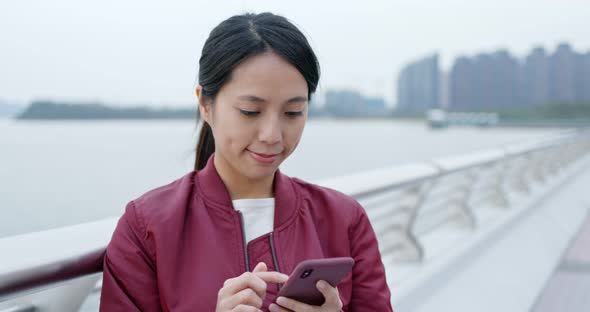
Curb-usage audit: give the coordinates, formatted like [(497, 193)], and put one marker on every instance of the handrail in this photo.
[(49, 273), (42, 259)]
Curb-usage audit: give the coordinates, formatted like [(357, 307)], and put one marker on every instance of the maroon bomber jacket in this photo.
[(175, 245)]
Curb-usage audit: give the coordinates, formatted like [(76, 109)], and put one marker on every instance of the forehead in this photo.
[(266, 75)]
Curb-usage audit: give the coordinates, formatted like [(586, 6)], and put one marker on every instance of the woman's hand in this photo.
[(332, 304), (246, 292)]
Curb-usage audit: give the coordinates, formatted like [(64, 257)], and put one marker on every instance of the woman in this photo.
[(225, 236)]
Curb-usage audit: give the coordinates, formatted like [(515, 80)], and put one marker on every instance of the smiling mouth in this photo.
[(263, 158), (263, 155)]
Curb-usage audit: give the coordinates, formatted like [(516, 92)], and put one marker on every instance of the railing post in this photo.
[(500, 197), (555, 164), (537, 164), (465, 209), (521, 183), (411, 249)]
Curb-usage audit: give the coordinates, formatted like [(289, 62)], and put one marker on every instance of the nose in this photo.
[(270, 131)]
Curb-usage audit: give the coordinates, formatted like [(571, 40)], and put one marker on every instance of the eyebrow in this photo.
[(254, 98)]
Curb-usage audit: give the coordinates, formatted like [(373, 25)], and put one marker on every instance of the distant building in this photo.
[(498, 80), (315, 110), (585, 85), (345, 103), (418, 86), (443, 99), (484, 82), (375, 106), (349, 103), (562, 74), (505, 81), (462, 84), (536, 77)]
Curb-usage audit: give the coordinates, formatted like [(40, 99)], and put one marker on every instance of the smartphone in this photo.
[(301, 285)]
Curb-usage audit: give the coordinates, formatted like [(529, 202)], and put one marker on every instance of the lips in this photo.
[(265, 155), (263, 158)]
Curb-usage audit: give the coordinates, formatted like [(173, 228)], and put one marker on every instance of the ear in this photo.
[(204, 109)]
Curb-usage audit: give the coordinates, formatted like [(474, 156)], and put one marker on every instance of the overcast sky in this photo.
[(130, 52)]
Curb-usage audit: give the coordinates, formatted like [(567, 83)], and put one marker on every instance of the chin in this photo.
[(258, 172)]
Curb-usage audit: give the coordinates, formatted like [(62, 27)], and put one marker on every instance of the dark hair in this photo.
[(240, 37)]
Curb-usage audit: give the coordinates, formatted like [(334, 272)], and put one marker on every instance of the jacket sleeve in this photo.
[(129, 270), (369, 287)]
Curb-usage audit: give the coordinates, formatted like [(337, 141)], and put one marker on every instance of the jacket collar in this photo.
[(214, 191)]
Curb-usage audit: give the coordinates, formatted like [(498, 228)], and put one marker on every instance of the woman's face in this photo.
[(258, 115)]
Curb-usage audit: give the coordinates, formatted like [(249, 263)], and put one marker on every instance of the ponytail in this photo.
[(205, 146)]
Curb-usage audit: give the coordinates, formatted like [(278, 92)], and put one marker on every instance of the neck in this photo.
[(240, 186)]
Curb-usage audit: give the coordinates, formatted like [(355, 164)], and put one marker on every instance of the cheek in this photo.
[(222, 133), (236, 135)]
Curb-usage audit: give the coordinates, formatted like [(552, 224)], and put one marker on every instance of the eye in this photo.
[(249, 113), (294, 114)]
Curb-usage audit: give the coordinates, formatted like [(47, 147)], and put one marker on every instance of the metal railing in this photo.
[(56, 270), (406, 203)]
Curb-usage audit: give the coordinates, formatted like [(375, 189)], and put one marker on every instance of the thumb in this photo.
[(260, 267), (330, 293)]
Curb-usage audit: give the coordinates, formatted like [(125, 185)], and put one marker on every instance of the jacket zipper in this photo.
[(244, 242), (272, 249), (274, 257)]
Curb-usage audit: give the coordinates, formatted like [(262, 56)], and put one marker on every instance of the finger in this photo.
[(330, 294), (277, 308), (272, 277), (293, 305), (245, 308), (260, 267), (245, 297), (246, 280)]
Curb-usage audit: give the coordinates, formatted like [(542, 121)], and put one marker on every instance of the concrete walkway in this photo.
[(511, 271), (568, 289)]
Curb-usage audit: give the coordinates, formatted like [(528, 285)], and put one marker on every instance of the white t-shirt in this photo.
[(258, 215)]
